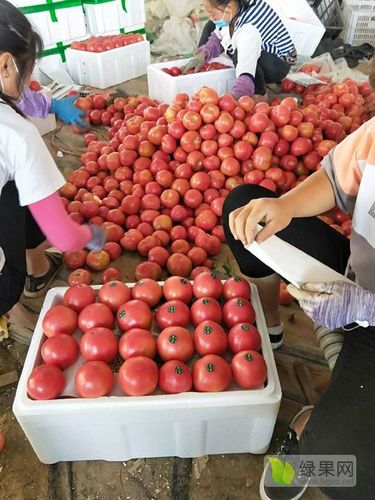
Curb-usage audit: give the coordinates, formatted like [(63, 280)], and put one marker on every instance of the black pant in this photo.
[(270, 68), (18, 231), (341, 423)]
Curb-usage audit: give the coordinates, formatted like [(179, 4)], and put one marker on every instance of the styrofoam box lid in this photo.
[(24, 406)]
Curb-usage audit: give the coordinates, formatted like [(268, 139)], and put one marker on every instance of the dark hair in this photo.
[(19, 39), (224, 3)]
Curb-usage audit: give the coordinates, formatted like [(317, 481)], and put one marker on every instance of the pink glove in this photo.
[(336, 304), (244, 86)]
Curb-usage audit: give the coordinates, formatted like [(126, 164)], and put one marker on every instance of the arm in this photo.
[(212, 48), (249, 46), (60, 230), (314, 196)]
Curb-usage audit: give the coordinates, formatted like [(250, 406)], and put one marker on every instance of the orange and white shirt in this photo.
[(351, 170)]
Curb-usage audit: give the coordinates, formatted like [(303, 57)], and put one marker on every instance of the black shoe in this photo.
[(38, 286), (289, 447), (276, 335)]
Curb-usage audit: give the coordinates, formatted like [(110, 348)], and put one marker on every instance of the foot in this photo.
[(276, 334), (37, 286), (288, 447)]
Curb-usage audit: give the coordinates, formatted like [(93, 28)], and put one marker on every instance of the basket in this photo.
[(359, 22), (329, 13)]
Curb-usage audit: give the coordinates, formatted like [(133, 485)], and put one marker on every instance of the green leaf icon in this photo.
[(282, 473)]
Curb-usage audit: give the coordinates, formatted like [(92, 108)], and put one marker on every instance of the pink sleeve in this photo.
[(60, 230)]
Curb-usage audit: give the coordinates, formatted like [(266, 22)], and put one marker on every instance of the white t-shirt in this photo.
[(25, 159)]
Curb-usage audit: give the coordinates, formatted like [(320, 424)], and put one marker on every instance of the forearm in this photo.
[(35, 104), (313, 196), (212, 48), (60, 230)]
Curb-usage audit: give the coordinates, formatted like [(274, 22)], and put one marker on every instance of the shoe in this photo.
[(38, 286), (276, 334), (288, 447)]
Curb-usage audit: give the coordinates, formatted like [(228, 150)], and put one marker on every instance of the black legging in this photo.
[(18, 231), (270, 68), (341, 422)]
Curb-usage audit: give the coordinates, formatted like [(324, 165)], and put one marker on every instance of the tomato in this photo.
[(175, 342), (98, 260), (211, 374), (137, 342), (111, 274), (206, 308), (244, 336), (59, 319), (207, 285), (178, 288), (236, 287), (148, 270), (179, 264), (249, 369), (147, 290), (138, 376), (175, 377), (45, 382), (60, 350), (99, 344), (78, 297), (134, 314), (238, 310), (95, 315), (173, 313), (94, 379), (113, 294), (210, 338)]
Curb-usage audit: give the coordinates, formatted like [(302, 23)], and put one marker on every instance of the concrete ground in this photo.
[(303, 373)]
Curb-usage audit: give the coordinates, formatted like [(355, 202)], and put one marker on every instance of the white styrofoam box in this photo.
[(359, 23), (164, 87), (62, 20), (111, 15), (108, 68), (50, 62), (304, 27), (44, 125), (121, 428)]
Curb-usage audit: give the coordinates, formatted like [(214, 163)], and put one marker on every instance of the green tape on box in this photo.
[(58, 50), (51, 7), (142, 31)]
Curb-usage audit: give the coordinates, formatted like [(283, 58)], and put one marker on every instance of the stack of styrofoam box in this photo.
[(58, 23), (108, 16), (304, 27), (108, 68), (180, 425), (359, 22), (164, 87)]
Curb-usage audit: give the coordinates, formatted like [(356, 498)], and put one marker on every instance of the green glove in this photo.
[(196, 63)]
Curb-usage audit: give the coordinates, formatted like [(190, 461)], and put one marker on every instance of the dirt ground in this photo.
[(303, 373)]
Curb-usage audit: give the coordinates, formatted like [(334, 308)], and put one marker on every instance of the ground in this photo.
[(302, 369)]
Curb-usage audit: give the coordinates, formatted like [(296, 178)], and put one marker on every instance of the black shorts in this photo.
[(18, 231)]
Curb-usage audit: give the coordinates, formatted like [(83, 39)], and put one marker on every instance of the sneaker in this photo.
[(288, 447), (276, 335), (38, 286)]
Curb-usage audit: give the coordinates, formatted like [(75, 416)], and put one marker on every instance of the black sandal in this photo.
[(38, 286)]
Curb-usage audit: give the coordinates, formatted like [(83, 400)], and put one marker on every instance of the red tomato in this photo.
[(79, 277), (206, 308), (78, 297), (94, 379), (211, 374), (134, 314), (59, 319), (244, 336), (173, 313), (137, 342), (99, 344), (45, 382), (95, 315), (178, 288), (175, 377), (138, 376), (207, 285), (210, 338), (175, 342), (113, 294), (249, 369), (147, 290), (111, 274), (238, 310), (236, 287), (60, 350)]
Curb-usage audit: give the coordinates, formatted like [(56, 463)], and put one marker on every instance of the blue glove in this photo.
[(98, 239), (67, 112)]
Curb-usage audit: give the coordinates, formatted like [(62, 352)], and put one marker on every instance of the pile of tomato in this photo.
[(168, 336), (213, 66), (107, 42)]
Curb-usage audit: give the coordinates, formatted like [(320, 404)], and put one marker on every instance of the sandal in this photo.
[(38, 286)]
